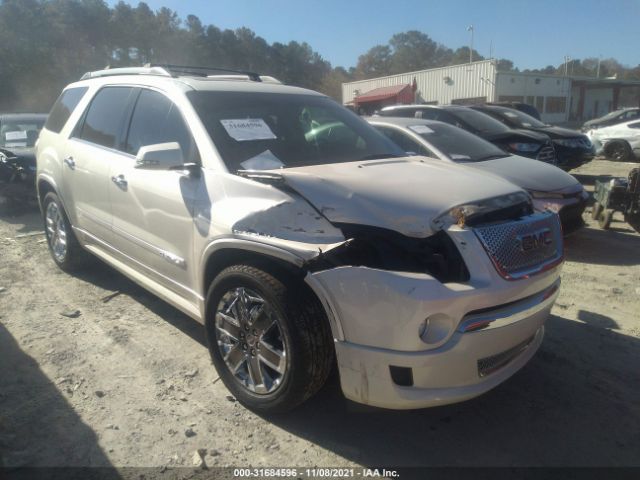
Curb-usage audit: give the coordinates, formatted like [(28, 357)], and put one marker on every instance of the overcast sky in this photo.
[(531, 33)]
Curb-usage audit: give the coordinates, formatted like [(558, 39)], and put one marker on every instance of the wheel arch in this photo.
[(45, 185), (276, 261)]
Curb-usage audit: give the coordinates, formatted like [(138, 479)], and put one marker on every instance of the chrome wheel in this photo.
[(250, 339), (56, 231)]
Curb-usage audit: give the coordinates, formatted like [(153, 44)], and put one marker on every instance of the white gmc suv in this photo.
[(299, 236)]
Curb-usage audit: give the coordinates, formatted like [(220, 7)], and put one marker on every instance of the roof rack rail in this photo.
[(176, 70), (146, 70)]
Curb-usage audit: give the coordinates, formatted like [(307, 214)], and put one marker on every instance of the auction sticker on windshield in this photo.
[(246, 129), (420, 129), (19, 135)]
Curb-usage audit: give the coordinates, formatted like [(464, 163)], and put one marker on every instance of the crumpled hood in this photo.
[(528, 174), (400, 194)]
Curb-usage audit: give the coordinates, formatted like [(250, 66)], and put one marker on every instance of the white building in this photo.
[(558, 98)]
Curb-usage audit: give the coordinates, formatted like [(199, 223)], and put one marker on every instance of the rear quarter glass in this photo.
[(63, 108)]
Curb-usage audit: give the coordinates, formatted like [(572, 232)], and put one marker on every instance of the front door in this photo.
[(152, 209)]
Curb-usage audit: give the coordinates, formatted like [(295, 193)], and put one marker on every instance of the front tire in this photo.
[(268, 337), (619, 151), (63, 244)]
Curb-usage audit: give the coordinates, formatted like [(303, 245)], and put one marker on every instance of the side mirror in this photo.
[(161, 156)]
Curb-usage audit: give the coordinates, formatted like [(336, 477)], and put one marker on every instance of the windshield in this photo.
[(520, 119), (459, 145), (610, 115), (480, 122), (20, 132), (260, 131)]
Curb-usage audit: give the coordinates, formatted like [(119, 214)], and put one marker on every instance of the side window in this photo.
[(64, 106), (428, 113), (105, 118), (157, 120)]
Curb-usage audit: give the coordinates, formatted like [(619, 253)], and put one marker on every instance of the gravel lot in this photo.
[(88, 378)]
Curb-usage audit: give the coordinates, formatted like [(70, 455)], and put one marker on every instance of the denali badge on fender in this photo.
[(535, 240)]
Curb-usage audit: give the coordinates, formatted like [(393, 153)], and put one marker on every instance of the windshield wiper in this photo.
[(379, 156), (491, 157)]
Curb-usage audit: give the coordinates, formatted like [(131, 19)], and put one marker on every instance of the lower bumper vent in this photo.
[(489, 365)]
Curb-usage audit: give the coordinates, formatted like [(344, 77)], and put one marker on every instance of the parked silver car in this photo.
[(428, 282), (551, 188)]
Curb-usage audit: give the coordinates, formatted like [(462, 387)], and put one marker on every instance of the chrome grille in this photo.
[(547, 154), (493, 363), (524, 247)]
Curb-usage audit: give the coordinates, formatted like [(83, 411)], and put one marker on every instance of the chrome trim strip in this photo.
[(168, 256), (97, 240), (511, 313)]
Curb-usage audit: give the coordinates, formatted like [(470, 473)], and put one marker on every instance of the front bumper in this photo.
[(378, 319), (570, 209), (568, 158)]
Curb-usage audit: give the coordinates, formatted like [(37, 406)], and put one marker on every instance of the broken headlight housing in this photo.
[(506, 207), (384, 249)]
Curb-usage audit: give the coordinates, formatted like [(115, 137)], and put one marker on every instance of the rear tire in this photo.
[(619, 151), (61, 240), (268, 337), (604, 220)]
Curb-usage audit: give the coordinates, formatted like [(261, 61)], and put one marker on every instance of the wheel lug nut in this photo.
[(255, 332), (253, 352)]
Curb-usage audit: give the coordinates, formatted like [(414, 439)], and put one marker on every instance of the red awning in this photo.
[(385, 93)]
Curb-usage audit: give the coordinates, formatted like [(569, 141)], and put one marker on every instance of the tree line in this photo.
[(46, 44)]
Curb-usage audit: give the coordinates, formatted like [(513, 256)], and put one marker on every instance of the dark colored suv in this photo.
[(572, 147), (519, 142), (18, 135), (522, 107)]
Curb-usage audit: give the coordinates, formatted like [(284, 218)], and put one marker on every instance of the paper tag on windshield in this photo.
[(420, 129), (263, 161), (456, 156), (21, 135), (247, 129)]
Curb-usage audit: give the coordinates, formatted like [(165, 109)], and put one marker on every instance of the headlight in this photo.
[(465, 214), (535, 194), (3, 158), (524, 147)]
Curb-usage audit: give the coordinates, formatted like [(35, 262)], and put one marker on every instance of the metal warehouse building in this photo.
[(559, 99)]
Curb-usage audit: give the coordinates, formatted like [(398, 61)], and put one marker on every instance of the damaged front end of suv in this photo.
[(432, 298)]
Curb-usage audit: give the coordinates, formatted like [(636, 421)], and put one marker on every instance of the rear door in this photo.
[(95, 143), (152, 209)]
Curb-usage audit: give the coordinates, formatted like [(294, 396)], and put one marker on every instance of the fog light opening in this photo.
[(435, 328)]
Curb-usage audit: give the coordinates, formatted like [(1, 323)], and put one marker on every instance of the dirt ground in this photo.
[(91, 379)]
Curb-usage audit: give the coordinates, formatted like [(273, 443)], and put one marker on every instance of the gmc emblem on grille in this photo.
[(534, 240)]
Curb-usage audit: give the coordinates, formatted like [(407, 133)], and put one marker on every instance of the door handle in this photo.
[(120, 181), (70, 162)]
